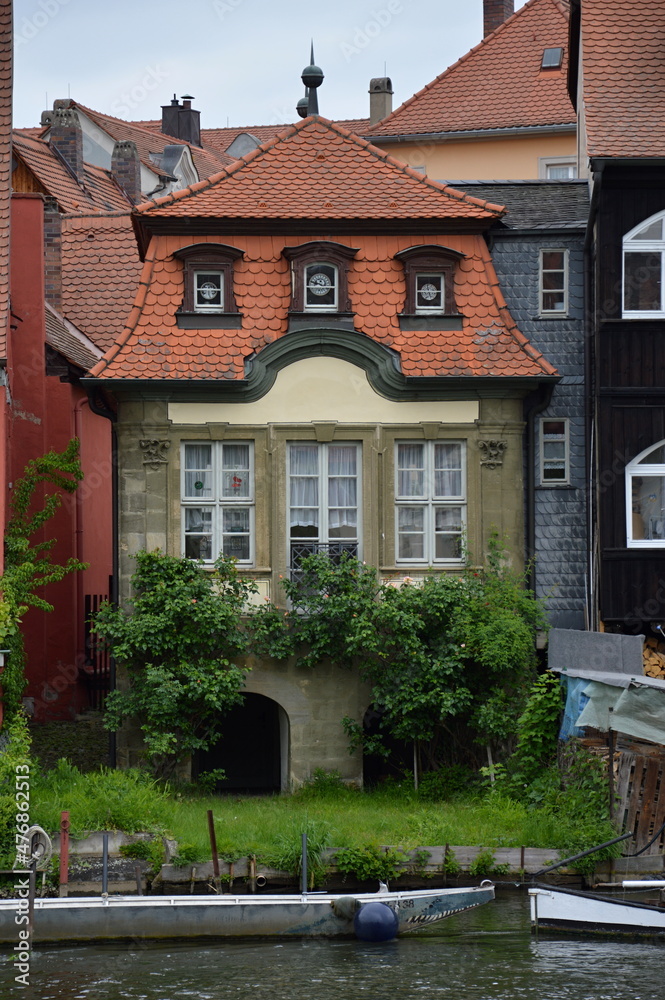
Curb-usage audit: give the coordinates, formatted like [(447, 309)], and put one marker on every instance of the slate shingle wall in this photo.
[(560, 512)]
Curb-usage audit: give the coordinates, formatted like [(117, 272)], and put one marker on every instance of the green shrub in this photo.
[(287, 855), (15, 767), (370, 862), (446, 782)]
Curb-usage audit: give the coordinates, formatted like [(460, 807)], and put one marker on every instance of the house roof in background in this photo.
[(318, 170), (498, 84), (100, 192), (5, 163), (624, 84), (63, 337), (535, 204), (100, 273)]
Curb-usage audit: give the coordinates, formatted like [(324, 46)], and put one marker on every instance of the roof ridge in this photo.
[(375, 129), (292, 130)]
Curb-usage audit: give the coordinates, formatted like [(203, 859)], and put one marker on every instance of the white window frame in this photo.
[(326, 306), (429, 502), (543, 441), (202, 307), (542, 291), (217, 503), (636, 468), (323, 449), (545, 163), (644, 246), (425, 310)]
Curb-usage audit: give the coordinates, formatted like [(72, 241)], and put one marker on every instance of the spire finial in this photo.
[(312, 77)]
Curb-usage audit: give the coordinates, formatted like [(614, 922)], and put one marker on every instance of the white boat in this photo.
[(554, 909), (368, 916)]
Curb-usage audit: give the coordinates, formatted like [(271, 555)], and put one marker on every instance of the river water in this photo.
[(487, 954)]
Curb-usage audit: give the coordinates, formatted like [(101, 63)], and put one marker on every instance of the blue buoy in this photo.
[(375, 922)]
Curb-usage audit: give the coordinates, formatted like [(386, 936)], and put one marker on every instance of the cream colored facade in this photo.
[(476, 158)]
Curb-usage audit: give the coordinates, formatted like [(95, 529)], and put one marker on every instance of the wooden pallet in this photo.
[(640, 786)]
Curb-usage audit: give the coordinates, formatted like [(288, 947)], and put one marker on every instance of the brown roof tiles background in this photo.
[(5, 163), (498, 83), (623, 46)]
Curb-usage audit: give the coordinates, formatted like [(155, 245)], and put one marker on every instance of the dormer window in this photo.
[(208, 291), (429, 271), (321, 287), (319, 276), (208, 278)]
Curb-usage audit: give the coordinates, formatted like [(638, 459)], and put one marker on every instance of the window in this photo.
[(218, 501), (553, 282), (645, 499), (429, 272), (208, 277), (554, 452), (430, 505), (552, 58), (319, 276), (643, 263), (557, 168), (324, 499)]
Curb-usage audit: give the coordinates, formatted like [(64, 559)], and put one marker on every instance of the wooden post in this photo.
[(64, 853), (213, 848)]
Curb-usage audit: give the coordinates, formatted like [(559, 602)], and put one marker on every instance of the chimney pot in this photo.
[(495, 12), (66, 136), (126, 169), (380, 98)]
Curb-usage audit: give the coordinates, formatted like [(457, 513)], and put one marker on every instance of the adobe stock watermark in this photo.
[(365, 34), (31, 26), (132, 98), (22, 885), (223, 8)]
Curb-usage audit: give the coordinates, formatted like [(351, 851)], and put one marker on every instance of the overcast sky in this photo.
[(240, 59)]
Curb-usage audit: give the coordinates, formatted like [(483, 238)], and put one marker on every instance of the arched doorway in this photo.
[(253, 750)]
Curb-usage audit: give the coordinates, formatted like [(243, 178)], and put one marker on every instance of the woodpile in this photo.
[(654, 658)]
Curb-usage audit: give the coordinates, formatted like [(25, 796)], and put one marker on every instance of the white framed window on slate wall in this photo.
[(553, 283), (554, 451)]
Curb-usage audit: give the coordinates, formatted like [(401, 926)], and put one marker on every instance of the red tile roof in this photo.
[(221, 138), (63, 337), (153, 347), (318, 170), (100, 272), (498, 84), (101, 193), (5, 163), (151, 141), (624, 84)]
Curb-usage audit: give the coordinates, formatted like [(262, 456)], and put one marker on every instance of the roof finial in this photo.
[(312, 77)]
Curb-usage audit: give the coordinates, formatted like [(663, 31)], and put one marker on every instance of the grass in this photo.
[(127, 800)]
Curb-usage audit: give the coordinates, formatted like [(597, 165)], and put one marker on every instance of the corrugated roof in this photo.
[(623, 46), (497, 84), (317, 169)]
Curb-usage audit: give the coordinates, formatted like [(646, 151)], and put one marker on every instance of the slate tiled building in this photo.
[(319, 358)]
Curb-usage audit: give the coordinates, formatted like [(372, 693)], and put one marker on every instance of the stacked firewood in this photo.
[(654, 658)]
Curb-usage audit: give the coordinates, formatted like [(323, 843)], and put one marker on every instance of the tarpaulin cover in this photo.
[(569, 649), (637, 711), (575, 702)]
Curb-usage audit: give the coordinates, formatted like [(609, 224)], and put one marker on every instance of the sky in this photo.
[(240, 59)]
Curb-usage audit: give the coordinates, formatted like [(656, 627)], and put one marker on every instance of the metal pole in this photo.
[(304, 864), (31, 900), (105, 864), (610, 763), (64, 854)]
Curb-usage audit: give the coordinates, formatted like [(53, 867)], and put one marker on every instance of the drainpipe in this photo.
[(533, 406), (590, 402), (78, 538), (98, 406)]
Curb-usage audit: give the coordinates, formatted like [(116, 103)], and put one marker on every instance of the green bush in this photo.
[(15, 767), (446, 782), (287, 855), (370, 862)]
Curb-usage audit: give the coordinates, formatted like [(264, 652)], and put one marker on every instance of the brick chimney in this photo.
[(126, 169), (495, 12), (380, 98), (66, 136), (181, 120)]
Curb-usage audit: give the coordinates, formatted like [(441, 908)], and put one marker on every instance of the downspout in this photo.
[(78, 538), (533, 406), (590, 403), (102, 410)]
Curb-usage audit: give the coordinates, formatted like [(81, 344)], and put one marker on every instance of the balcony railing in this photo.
[(334, 551)]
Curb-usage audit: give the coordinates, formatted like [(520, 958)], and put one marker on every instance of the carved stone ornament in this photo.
[(155, 453), (492, 452)]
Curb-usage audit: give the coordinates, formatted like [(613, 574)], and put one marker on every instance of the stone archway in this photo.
[(253, 750)]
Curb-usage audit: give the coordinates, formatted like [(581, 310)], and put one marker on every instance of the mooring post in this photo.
[(213, 848), (64, 854), (304, 864), (105, 864)]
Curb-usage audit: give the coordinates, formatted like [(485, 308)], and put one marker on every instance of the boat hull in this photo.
[(581, 912), (116, 918)]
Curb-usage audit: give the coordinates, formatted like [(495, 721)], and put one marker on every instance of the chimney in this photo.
[(126, 169), (495, 12), (182, 121), (380, 98), (66, 137)]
